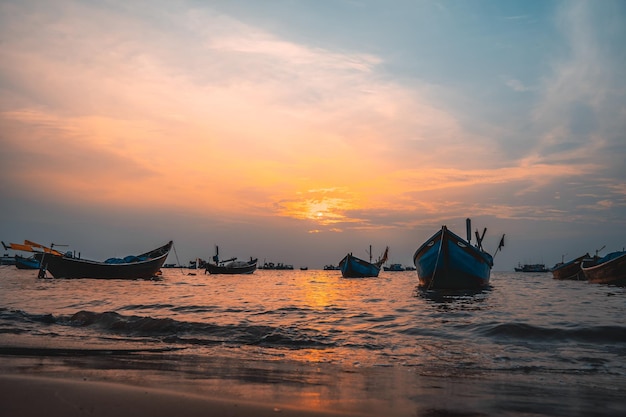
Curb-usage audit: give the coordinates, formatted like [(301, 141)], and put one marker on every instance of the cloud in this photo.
[(516, 85), (201, 113)]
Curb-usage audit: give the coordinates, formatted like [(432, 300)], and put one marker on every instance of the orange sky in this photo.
[(222, 117)]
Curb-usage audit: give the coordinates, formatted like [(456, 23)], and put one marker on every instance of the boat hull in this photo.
[(571, 270), (446, 261), (608, 270), (353, 267), (249, 268), (26, 263), (67, 267)]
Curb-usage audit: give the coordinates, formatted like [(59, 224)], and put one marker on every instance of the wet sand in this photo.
[(35, 396)]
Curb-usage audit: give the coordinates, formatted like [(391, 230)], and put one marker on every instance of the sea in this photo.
[(528, 345)]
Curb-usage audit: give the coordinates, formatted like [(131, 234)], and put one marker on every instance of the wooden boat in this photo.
[(446, 261), (22, 262), (144, 266), (31, 262), (610, 269), (571, 270), (353, 267), (230, 266)]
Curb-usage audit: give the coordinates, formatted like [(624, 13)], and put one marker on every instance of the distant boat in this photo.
[(331, 268), (144, 266), (610, 269), (304, 268), (7, 259), (394, 267), (31, 262), (446, 261), (571, 270), (353, 267), (531, 268), (21, 262), (230, 266), (279, 266)]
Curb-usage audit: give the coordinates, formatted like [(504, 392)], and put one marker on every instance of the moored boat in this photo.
[(571, 270), (144, 266), (22, 262), (230, 266), (446, 261), (394, 267), (353, 267), (531, 268), (7, 259), (611, 269)]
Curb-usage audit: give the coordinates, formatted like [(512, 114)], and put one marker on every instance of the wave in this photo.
[(174, 331), (524, 331)]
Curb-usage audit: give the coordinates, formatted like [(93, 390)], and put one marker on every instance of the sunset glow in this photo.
[(226, 124)]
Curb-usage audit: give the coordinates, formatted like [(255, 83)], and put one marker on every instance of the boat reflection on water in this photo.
[(452, 300)]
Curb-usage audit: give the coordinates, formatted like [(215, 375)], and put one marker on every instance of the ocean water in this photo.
[(528, 345)]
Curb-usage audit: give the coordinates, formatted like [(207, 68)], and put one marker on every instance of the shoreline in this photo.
[(27, 396), (100, 387)]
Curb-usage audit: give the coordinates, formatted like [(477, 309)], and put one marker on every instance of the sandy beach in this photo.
[(27, 396)]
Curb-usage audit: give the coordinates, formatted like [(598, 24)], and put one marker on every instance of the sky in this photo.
[(298, 131)]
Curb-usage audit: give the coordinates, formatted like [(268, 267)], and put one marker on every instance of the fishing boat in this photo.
[(230, 266), (446, 261), (353, 267), (531, 268), (30, 262), (144, 266), (610, 269), (7, 259), (394, 267), (571, 270), (22, 262)]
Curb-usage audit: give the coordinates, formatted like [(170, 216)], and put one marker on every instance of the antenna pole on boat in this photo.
[(598, 250), (468, 226), (499, 246)]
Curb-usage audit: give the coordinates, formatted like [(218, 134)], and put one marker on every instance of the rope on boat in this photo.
[(432, 279), (177, 260)]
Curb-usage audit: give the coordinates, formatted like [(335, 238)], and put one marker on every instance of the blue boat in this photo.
[(446, 261), (353, 267), (22, 262)]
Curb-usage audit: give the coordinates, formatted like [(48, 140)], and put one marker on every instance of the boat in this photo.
[(571, 270), (230, 266), (531, 268), (353, 267), (22, 262), (7, 259), (446, 261), (331, 267), (610, 269), (31, 262), (394, 267), (279, 266), (144, 266)]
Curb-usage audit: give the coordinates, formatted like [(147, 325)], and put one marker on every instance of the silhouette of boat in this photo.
[(144, 266), (353, 267), (446, 261), (230, 266), (610, 269)]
